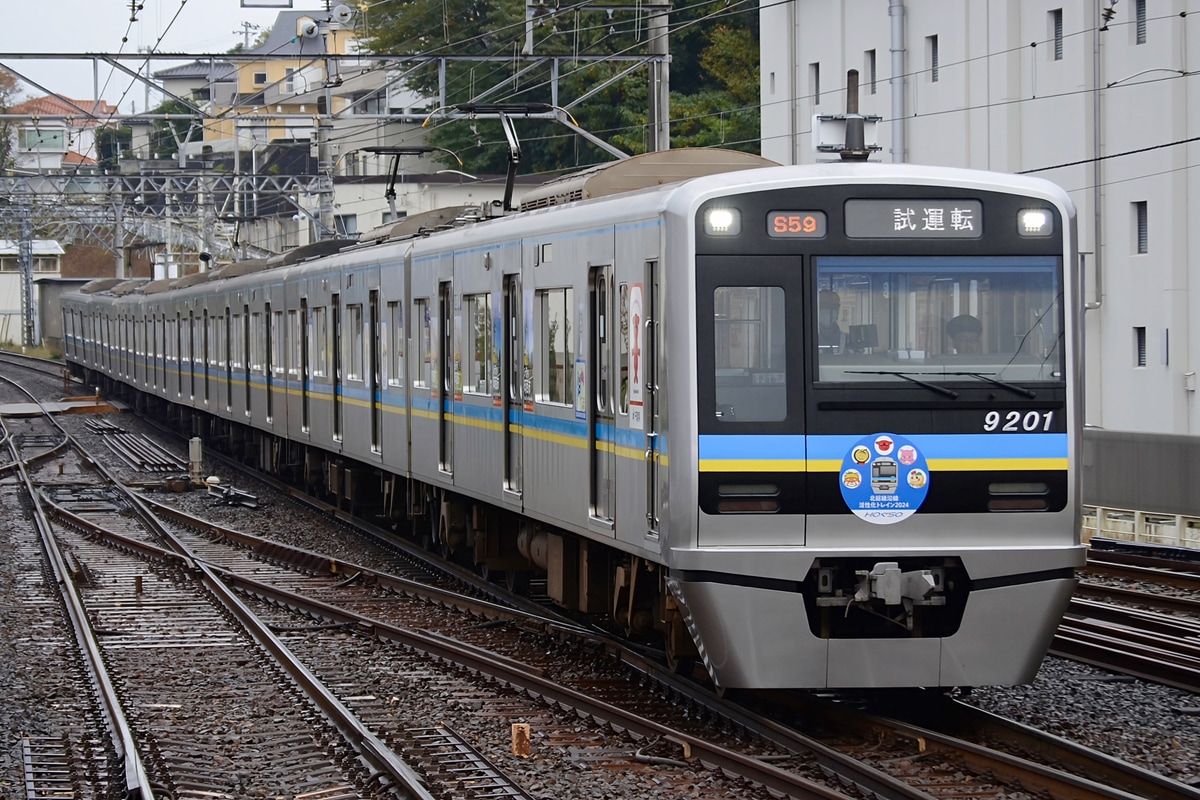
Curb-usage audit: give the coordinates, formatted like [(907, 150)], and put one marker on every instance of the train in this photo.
[(704, 399)]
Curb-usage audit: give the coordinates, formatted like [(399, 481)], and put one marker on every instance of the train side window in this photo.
[(354, 342), (396, 343), (479, 366), (319, 342), (258, 345), (751, 353), (293, 345), (623, 349), (423, 336), (556, 356)]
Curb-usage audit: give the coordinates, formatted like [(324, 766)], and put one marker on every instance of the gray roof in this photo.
[(221, 71), (284, 40)]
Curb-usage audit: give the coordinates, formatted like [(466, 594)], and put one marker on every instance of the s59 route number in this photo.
[(1018, 421)]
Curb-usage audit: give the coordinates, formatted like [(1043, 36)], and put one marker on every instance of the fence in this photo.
[(1143, 527)]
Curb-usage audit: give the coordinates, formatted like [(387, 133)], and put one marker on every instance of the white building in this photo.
[(1095, 95), (47, 255)]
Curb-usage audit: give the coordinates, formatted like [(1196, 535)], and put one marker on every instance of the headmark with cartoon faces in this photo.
[(884, 479)]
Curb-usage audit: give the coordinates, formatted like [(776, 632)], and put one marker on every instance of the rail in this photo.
[(1143, 527)]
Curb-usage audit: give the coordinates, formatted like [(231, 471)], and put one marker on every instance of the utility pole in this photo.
[(327, 29), (660, 76), (246, 28), (25, 257)]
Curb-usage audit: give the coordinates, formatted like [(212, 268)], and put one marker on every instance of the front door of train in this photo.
[(750, 386), (448, 377), (513, 392), (602, 434)]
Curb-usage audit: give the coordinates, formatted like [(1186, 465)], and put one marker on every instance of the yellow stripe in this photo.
[(935, 465), (747, 465)]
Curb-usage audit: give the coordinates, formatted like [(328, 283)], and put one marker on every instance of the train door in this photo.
[(335, 305), (513, 391), (602, 430), (646, 331), (373, 375), (269, 361), (446, 366), (305, 422), (207, 333), (181, 352), (245, 354), (193, 352), (228, 359)]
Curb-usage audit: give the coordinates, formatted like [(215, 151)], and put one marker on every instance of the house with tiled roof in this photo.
[(60, 133), (278, 97)]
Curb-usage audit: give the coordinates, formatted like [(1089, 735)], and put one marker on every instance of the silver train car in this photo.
[(809, 426)]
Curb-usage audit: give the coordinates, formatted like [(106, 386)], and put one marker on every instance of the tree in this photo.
[(10, 95), (111, 141), (713, 73), (169, 135)]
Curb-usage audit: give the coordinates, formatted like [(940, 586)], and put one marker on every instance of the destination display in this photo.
[(914, 219)]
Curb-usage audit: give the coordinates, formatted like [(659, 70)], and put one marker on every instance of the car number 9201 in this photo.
[(1018, 421)]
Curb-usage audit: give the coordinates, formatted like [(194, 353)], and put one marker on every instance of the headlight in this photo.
[(1035, 222), (722, 222)]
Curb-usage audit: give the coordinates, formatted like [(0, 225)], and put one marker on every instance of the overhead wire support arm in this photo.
[(504, 112), (396, 153)]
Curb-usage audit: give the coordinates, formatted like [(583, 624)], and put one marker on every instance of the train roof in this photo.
[(424, 223), (100, 285), (191, 279), (640, 172)]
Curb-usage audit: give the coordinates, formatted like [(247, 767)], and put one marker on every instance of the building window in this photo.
[(289, 80), (814, 75), (1056, 33), (1139, 346), (1139, 13), (1142, 227), (260, 78), (346, 224), (49, 140), (869, 65), (931, 58)]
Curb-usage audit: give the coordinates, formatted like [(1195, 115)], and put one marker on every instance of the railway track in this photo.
[(341, 619), (192, 697)]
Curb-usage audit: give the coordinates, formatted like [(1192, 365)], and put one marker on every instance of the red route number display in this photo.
[(796, 224)]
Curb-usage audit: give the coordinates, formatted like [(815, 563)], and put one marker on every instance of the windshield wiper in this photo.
[(908, 377), (1012, 387)]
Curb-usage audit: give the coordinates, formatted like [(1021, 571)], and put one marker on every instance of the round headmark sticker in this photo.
[(884, 478)]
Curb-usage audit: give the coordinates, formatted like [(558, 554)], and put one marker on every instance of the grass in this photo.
[(52, 353)]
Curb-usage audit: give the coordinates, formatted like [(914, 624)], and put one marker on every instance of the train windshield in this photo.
[(934, 319)]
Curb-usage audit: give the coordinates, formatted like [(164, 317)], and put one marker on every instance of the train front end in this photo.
[(879, 454)]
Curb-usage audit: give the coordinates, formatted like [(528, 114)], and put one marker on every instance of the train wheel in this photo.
[(679, 650), (517, 580)]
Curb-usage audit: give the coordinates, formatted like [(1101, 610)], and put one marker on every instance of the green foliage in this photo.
[(10, 90), (110, 143), (713, 73), (168, 135)]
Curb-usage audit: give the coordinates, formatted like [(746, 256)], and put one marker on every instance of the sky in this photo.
[(98, 26)]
